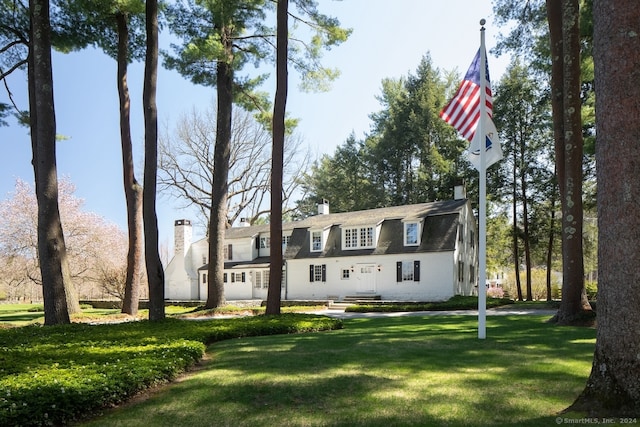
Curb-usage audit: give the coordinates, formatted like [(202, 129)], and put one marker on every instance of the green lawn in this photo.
[(396, 371)]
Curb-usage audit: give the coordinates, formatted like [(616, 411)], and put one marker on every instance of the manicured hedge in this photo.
[(455, 303), (57, 374)]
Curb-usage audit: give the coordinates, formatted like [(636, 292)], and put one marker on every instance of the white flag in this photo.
[(492, 144)]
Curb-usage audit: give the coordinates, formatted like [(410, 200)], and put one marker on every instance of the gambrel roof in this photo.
[(439, 230)]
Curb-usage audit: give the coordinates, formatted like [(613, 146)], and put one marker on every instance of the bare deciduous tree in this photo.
[(186, 164)]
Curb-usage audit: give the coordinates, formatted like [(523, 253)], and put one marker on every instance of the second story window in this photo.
[(411, 233), (316, 241), (358, 238), (228, 252)]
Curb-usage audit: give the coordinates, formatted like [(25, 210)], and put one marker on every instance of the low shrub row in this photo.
[(455, 303), (58, 374)]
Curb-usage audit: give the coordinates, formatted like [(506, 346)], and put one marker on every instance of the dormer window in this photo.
[(411, 233), (316, 241), (358, 237), (285, 242)]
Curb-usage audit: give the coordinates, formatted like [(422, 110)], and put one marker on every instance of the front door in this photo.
[(365, 278)]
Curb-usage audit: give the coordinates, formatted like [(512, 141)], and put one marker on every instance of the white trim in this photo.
[(364, 238), (311, 240), (405, 234)]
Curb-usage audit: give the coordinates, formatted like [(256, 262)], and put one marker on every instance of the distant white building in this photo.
[(421, 252)]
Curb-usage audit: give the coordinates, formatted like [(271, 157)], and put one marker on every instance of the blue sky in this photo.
[(386, 42)]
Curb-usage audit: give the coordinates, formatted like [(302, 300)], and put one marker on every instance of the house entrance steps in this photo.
[(362, 298)]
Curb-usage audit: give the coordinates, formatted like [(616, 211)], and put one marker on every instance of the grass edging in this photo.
[(58, 374)]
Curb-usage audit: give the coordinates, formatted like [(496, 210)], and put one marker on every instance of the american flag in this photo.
[(463, 111)]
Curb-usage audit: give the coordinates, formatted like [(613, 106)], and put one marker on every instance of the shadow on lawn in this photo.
[(380, 372), (22, 316)]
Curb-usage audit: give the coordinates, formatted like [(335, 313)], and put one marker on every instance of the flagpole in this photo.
[(482, 250)]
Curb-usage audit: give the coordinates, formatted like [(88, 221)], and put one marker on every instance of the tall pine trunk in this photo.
[(277, 159), (613, 387), (526, 241), (155, 272), (58, 293), (564, 33), (516, 252), (552, 233), (218, 221), (132, 189)]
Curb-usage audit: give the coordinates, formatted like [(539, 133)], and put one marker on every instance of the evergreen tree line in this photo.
[(412, 156)]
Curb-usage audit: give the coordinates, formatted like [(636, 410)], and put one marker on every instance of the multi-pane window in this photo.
[(261, 279), (265, 242), (407, 271), (265, 282), (351, 238), (318, 273), (411, 233), (257, 282), (358, 238), (346, 273), (285, 242), (316, 241), (236, 277), (366, 237)]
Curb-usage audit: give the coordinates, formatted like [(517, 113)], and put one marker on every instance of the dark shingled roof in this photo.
[(438, 232)]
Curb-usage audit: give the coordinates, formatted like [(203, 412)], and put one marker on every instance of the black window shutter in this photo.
[(224, 278), (230, 252), (311, 273), (257, 242), (324, 272), (399, 271), (416, 271), (233, 277), (243, 277)]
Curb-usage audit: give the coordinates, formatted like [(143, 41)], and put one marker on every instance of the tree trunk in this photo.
[(58, 294), (552, 228), (132, 189), (613, 387), (277, 160), (525, 221), (516, 253), (155, 273), (564, 33), (218, 219)]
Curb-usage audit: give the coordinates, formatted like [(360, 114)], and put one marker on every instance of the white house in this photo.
[(421, 252)]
